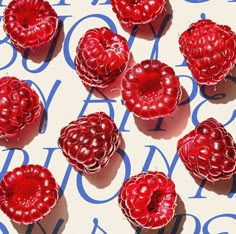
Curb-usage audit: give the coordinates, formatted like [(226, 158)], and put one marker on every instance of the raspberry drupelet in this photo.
[(101, 56), (20, 106), (209, 50), (150, 89), (89, 142), (30, 23), (28, 193), (136, 12), (148, 199), (208, 151)]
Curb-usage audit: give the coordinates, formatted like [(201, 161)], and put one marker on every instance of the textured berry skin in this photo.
[(137, 12), (28, 193), (148, 200), (208, 151), (209, 50), (101, 56), (19, 106), (89, 142), (150, 89), (30, 23)]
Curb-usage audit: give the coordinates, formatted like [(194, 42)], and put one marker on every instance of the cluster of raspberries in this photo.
[(150, 89)]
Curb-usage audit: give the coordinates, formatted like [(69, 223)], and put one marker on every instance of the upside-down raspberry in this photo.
[(208, 151), (28, 193), (19, 106), (30, 23), (137, 12), (150, 89), (209, 50), (101, 56), (89, 142), (148, 200)]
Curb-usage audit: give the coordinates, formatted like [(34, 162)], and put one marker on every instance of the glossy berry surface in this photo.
[(209, 50), (89, 142), (19, 106), (28, 193), (209, 151), (150, 89), (101, 56), (137, 12), (30, 23), (148, 200)]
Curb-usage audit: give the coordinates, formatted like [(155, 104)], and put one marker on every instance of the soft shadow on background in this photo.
[(221, 187), (222, 93)]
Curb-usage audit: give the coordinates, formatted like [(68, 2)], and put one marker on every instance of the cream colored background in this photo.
[(67, 104)]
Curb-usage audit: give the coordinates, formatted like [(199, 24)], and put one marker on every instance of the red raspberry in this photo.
[(28, 193), (148, 200), (30, 23), (137, 12), (208, 151), (101, 56), (209, 50), (89, 142), (19, 106), (151, 89)]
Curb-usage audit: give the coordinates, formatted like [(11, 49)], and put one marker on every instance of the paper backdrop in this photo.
[(88, 204)]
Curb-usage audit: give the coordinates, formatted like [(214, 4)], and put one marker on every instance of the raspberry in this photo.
[(209, 50), (30, 23), (19, 106), (28, 193), (137, 12), (208, 151), (89, 142), (101, 56), (148, 200), (150, 89)]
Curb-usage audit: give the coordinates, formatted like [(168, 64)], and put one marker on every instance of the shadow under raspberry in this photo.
[(221, 187), (27, 134), (54, 222), (221, 93)]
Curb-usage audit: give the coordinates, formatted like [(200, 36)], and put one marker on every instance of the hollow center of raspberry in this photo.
[(154, 203), (26, 191), (28, 18), (149, 85)]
